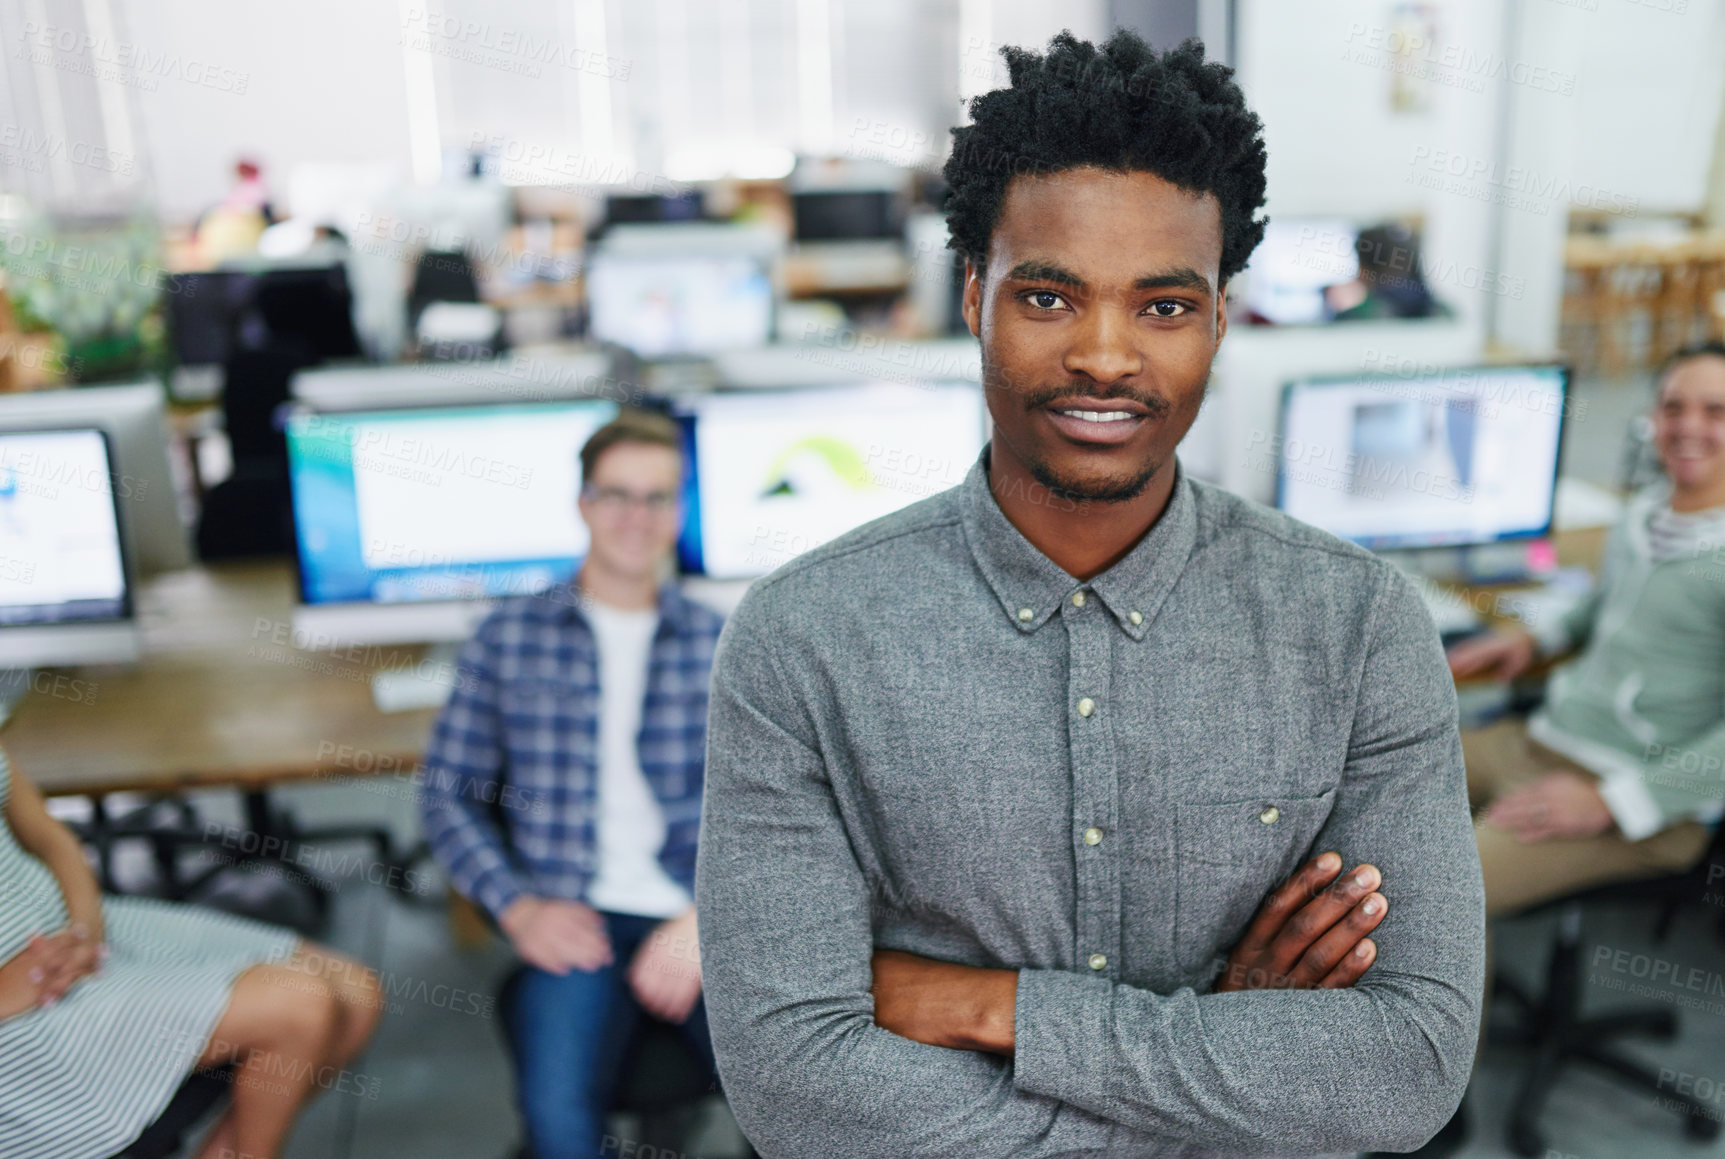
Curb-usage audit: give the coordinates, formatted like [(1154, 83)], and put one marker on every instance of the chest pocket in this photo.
[(1230, 856)]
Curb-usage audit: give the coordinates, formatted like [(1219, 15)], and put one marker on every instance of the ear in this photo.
[(971, 302), (1221, 312)]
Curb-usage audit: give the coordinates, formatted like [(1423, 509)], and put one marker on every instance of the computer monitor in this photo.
[(135, 419), (527, 375), (848, 215), (1459, 457), (667, 305), (64, 594), (779, 472), (1287, 272), (407, 522), (636, 209)]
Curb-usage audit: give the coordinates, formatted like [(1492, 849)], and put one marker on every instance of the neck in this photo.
[(1083, 537), (1698, 497), (625, 592)]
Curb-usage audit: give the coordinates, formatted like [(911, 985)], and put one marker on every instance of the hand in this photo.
[(1560, 804), (665, 974), (1503, 654), (944, 1003), (41, 973), (67, 957), (557, 936), (1310, 933)]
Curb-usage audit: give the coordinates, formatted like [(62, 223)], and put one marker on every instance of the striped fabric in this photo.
[(82, 1079), (510, 794), (1675, 534)]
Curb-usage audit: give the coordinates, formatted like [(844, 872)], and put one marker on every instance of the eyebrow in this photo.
[(1178, 278)]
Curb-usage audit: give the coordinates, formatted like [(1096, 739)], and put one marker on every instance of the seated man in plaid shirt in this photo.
[(563, 789)]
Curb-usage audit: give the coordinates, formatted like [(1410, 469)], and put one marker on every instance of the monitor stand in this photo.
[(426, 684)]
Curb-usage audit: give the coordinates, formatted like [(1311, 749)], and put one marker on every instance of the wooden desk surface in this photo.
[(221, 698)]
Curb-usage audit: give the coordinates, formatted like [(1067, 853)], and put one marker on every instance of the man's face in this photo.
[(1098, 315), (630, 507), (1689, 422)]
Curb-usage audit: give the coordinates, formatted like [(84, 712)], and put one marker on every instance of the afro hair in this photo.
[(1121, 107)]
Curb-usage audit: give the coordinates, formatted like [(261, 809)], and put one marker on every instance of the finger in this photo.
[(1317, 916), (1311, 878), (1333, 948), (1351, 967)]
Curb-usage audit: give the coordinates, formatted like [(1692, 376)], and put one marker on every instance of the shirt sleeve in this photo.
[(1574, 627), (1380, 1066), (786, 940), (1673, 783), (463, 766)]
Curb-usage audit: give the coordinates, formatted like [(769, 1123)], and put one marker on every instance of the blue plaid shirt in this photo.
[(510, 799)]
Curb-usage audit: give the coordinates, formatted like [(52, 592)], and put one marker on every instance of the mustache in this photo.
[(1155, 404)]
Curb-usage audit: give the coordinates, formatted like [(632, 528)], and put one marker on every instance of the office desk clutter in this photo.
[(579, 582)]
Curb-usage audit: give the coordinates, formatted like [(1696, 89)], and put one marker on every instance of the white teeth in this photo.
[(1100, 416)]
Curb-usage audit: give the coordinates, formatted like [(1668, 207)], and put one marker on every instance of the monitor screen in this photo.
[(1287, 273), (60, 554), (658, 305), (625, 208), (847, 215), (1450, 457), (778, 472), (438, 504)]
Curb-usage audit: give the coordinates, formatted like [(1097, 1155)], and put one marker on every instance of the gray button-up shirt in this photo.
[(926, 736)]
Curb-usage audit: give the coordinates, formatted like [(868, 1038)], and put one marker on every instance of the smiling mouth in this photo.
[(1099, 416)]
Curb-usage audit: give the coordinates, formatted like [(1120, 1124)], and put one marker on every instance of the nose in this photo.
[(1104, 346)]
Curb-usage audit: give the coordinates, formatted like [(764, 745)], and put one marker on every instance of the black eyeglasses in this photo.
[(619, 499)]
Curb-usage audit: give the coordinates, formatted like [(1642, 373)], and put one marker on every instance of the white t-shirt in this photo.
[(631, 826)]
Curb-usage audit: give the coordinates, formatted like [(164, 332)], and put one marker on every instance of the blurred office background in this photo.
[(325, 298)]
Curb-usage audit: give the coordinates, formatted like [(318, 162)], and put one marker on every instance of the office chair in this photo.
[(1552, 1026), (196, 1098), (661, 1079)]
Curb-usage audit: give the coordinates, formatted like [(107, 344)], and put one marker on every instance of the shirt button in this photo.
[(1269, 815), (1093, 836), (1136, 618), (1086, 706), (1098, 961), (1078, 599), (1026, 614)]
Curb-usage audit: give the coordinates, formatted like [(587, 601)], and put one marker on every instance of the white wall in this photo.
[(322, 82), (1648, 99)]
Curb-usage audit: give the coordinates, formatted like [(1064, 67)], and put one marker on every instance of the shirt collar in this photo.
[(568, 604), (1031, 587)]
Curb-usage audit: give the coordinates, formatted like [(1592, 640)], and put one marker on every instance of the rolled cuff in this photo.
[(1632, 807), (1056, 1014)]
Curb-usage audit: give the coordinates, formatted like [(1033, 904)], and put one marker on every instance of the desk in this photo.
[(1580, 547), (215, 702)]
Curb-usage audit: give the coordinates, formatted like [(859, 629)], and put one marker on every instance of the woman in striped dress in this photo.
[(108, 1004)]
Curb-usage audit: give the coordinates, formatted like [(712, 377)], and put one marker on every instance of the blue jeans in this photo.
[(571, 1033)]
